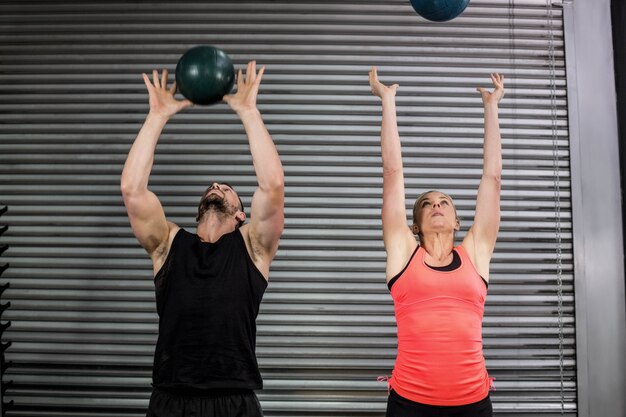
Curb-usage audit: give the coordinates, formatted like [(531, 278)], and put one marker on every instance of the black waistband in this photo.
[(203, 392), (397, 397)]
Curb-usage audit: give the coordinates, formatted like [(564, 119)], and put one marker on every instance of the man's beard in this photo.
[(216, 204)]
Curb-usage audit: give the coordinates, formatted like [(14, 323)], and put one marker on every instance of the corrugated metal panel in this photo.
[(84, 321)]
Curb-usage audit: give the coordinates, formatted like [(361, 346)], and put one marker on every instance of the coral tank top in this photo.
[(439, 317)]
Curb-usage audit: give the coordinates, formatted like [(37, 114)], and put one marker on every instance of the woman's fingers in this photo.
[(497, 79), (373, 75)]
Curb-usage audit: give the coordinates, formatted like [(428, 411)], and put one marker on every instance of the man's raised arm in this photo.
[(145, 212), (267, 211)]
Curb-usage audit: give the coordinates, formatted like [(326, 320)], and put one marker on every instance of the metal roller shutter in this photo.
[(82, 305)]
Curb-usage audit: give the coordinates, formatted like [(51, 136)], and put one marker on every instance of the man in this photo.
[(209, 284)]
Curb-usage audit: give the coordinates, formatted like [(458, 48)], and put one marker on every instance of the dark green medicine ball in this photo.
[(204, 74), (439, 10)]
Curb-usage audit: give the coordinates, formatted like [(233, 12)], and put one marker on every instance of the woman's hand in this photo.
[(378, 88), (494, 97)]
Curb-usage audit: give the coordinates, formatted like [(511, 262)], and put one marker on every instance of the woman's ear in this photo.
[(415, 229)]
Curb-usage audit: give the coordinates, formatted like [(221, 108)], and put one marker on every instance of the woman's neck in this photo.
[(438, 247)]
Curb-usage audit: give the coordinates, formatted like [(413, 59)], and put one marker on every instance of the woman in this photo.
[(439, 289)]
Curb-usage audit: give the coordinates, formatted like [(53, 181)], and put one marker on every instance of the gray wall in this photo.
[(596, 200), (82, 303)]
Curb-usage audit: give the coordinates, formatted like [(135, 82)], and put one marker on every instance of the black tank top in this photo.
[(208, 297)]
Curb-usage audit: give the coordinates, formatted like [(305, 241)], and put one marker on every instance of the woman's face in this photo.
[(434, 211)]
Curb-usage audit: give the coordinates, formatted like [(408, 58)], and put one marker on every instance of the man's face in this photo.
[(220, 198)]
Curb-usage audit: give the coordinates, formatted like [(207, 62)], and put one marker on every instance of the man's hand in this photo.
[(247, 89), (162, 101)]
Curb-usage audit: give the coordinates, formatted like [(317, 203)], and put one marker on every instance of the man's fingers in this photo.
[(251, 76), (186, 103), (248, 71), (260, 74), (164, 78), (155, 78), (239, 79), (146, 80)]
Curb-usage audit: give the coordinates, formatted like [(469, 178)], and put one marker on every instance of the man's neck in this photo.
[(213, 226)]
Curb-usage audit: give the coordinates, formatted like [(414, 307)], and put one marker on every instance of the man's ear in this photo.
[(240, 216)]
